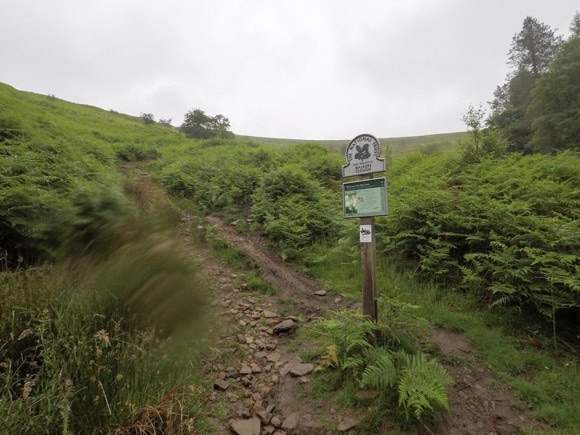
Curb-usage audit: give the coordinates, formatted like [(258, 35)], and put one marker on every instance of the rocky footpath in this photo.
[(261, 386), (256, 378)]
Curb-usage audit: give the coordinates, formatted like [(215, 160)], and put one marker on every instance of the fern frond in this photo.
[(422, 387), (381, 374)]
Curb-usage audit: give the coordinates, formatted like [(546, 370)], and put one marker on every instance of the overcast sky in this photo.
[(303, 69)]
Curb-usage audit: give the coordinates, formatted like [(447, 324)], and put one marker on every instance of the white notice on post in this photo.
[(366, 236)]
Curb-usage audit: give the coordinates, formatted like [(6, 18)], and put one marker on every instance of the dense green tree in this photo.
[(531, 52), (534, 48), (575, 26), (509, 109), (148, 118), (555, 107), (198, 125)]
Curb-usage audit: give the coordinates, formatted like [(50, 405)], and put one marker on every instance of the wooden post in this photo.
[(369, 283), (363, 159), (368, 265)]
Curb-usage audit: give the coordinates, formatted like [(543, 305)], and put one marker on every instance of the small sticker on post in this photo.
[(366, 235)]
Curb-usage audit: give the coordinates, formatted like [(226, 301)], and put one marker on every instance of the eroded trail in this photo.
[(261, 384)]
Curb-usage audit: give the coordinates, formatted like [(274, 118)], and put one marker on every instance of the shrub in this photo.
[(507, 228), (409, 380), (148, 118), (294, 211), (134, 153)]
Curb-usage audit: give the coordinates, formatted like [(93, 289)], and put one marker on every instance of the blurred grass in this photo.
[(111, 340)]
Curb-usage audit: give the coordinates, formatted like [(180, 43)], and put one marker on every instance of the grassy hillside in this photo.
[(496, 239), (397, 145)]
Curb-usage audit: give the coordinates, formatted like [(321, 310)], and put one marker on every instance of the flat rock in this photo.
[(290, 422), (301, 369), (264, 416), (284, 326), (320, 293), (347, 424), (220, 384), (276, 422), (252, 426), (273, 357), (245, 370), (269, 314)]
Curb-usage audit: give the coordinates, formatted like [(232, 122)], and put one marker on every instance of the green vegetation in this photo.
[(403, 378), (536, 109), (478, 240), (88, 347), (101, 340), (396, 146), (506, 229), (198, 125)]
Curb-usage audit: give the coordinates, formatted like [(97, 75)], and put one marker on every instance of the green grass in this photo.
[(88, 349), (255, 283)]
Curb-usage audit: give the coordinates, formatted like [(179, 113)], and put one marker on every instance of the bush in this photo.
[(410, 380), (41, 187), (506, 228), (134, 153), (294, 211)]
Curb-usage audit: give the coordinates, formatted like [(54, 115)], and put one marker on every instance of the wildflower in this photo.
[(104, 336), (25, 334), (28, 386)]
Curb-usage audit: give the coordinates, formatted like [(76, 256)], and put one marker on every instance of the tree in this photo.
[(148, 118), (198, 125), (508, 109), (575, 26), (481, 142), (531, 52), (555, 107), (534, 48)]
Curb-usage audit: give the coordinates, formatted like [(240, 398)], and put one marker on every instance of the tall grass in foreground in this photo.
[(104, 346)]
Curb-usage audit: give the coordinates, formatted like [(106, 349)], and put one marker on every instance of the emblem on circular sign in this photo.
[(363, 156)]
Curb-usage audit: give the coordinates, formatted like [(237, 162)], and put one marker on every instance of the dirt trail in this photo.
[(260, 381)]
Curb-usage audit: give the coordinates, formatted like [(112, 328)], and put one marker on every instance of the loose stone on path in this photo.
[(252, 426), (301, 369), (290, 423), (284, 326), (221, 384)]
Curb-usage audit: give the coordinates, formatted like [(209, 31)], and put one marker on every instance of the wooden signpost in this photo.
[(365, 199)]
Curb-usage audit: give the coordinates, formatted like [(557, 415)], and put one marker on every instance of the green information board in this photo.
[(365, 198)]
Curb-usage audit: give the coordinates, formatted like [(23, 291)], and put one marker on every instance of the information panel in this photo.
[(365, 198)]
